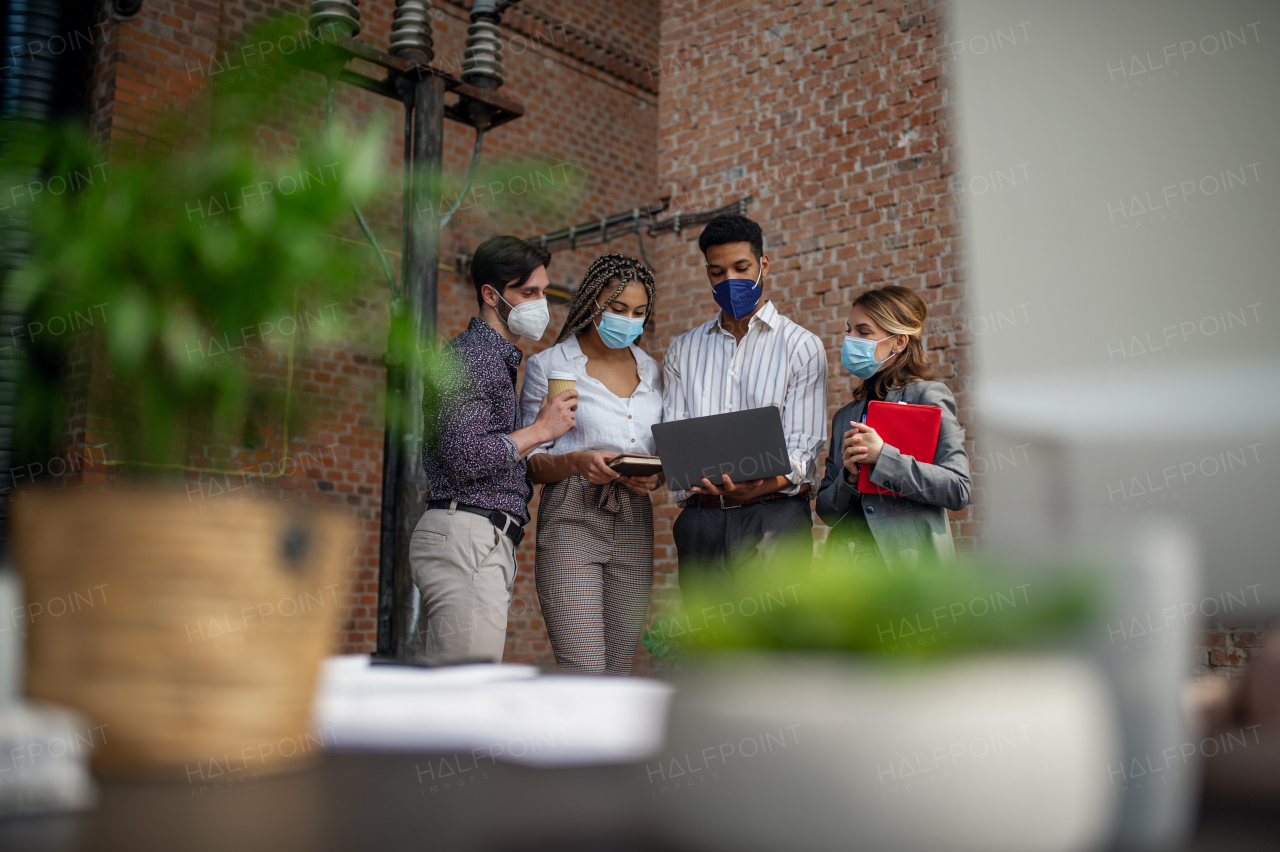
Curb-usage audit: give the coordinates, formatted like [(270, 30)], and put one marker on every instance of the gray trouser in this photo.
[(594, 572), (713, 542), (465, 569)]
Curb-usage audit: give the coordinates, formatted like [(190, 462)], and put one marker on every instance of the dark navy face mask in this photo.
[(738, 297)]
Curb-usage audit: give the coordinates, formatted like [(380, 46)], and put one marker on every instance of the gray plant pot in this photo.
[(773, 751)]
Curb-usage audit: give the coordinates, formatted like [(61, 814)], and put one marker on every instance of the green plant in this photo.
[(191, 243), (797, 602), (198, 243)]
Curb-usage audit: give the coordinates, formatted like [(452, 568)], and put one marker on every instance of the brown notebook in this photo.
[(629, 464)]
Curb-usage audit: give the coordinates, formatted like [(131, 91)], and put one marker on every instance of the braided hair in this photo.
[(604, 269)]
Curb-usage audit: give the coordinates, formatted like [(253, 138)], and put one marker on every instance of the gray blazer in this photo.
[(914, 525)]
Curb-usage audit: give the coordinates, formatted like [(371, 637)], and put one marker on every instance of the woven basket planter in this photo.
[(194, 637)]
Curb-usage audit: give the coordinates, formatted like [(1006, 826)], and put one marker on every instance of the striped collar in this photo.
[(767, 315)]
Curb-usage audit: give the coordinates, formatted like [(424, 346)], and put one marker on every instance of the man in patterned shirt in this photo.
[(462, 553)]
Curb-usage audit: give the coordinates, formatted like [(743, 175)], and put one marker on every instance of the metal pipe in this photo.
[(404, 486), (391, 434), (420, 298), (635, 215), (355, 208), (466, 184), (586, 234), (685, 220), (390, 492)]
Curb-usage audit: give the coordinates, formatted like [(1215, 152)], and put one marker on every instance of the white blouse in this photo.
[(604, 421)]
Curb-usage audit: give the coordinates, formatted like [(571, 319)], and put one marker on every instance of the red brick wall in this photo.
[(605, 130), (595, 133), (834, 117), (1227, 650), (634, 26)]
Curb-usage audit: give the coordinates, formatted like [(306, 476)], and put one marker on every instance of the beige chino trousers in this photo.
[(465, 570)]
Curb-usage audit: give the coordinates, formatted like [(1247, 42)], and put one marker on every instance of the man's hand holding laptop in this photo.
[(747, 490)]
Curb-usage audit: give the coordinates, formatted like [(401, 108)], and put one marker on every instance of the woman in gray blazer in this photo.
[(885, 350)]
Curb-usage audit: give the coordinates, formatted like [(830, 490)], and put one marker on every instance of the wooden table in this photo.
[(392, 802)]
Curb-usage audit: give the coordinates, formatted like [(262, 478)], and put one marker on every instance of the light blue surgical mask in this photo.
[(617, 331), (858, 355)]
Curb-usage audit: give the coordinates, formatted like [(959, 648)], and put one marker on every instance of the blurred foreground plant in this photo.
[(797, 602), (196, 243), (199, 250)]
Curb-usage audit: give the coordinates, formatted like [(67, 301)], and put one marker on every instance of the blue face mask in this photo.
[(858, 355), (738, 297), (617, 331)]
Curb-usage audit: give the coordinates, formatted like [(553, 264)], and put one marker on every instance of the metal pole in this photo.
[(387, 540), (422, 89), (391, 434), (424, 263), (424, 232)]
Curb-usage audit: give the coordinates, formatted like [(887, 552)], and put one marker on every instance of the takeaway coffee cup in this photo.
[(558, 383)]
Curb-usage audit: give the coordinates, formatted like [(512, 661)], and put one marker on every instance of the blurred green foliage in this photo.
[(197, 244), (520, 188), (178, 253), (829, 603)]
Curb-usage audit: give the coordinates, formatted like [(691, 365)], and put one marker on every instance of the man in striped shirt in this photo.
[(748, 356)]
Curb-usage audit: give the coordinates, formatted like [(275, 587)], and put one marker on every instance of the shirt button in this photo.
[(633, 440), (871, 510), (628, 416)]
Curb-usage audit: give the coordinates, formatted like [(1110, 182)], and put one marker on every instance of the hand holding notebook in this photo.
[(911, 429), (633, 464)]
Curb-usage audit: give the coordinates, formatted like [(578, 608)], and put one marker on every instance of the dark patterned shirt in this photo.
[(469, 455)]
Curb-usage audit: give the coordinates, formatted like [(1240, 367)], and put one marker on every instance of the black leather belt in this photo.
[(504, 522), (719, 502)]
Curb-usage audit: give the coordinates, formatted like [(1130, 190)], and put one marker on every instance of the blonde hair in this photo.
[(898, 311)]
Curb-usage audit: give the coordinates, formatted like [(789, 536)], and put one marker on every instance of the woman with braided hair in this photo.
[(594, 565)]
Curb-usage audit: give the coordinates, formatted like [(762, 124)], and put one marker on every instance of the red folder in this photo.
[(912, 429)]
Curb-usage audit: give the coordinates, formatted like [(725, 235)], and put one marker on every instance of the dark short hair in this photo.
[(505, 260), (731, 228)]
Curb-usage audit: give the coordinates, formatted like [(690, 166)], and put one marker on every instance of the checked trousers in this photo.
[(594, 571)]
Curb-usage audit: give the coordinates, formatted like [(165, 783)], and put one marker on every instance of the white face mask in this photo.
[(528, 319)]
